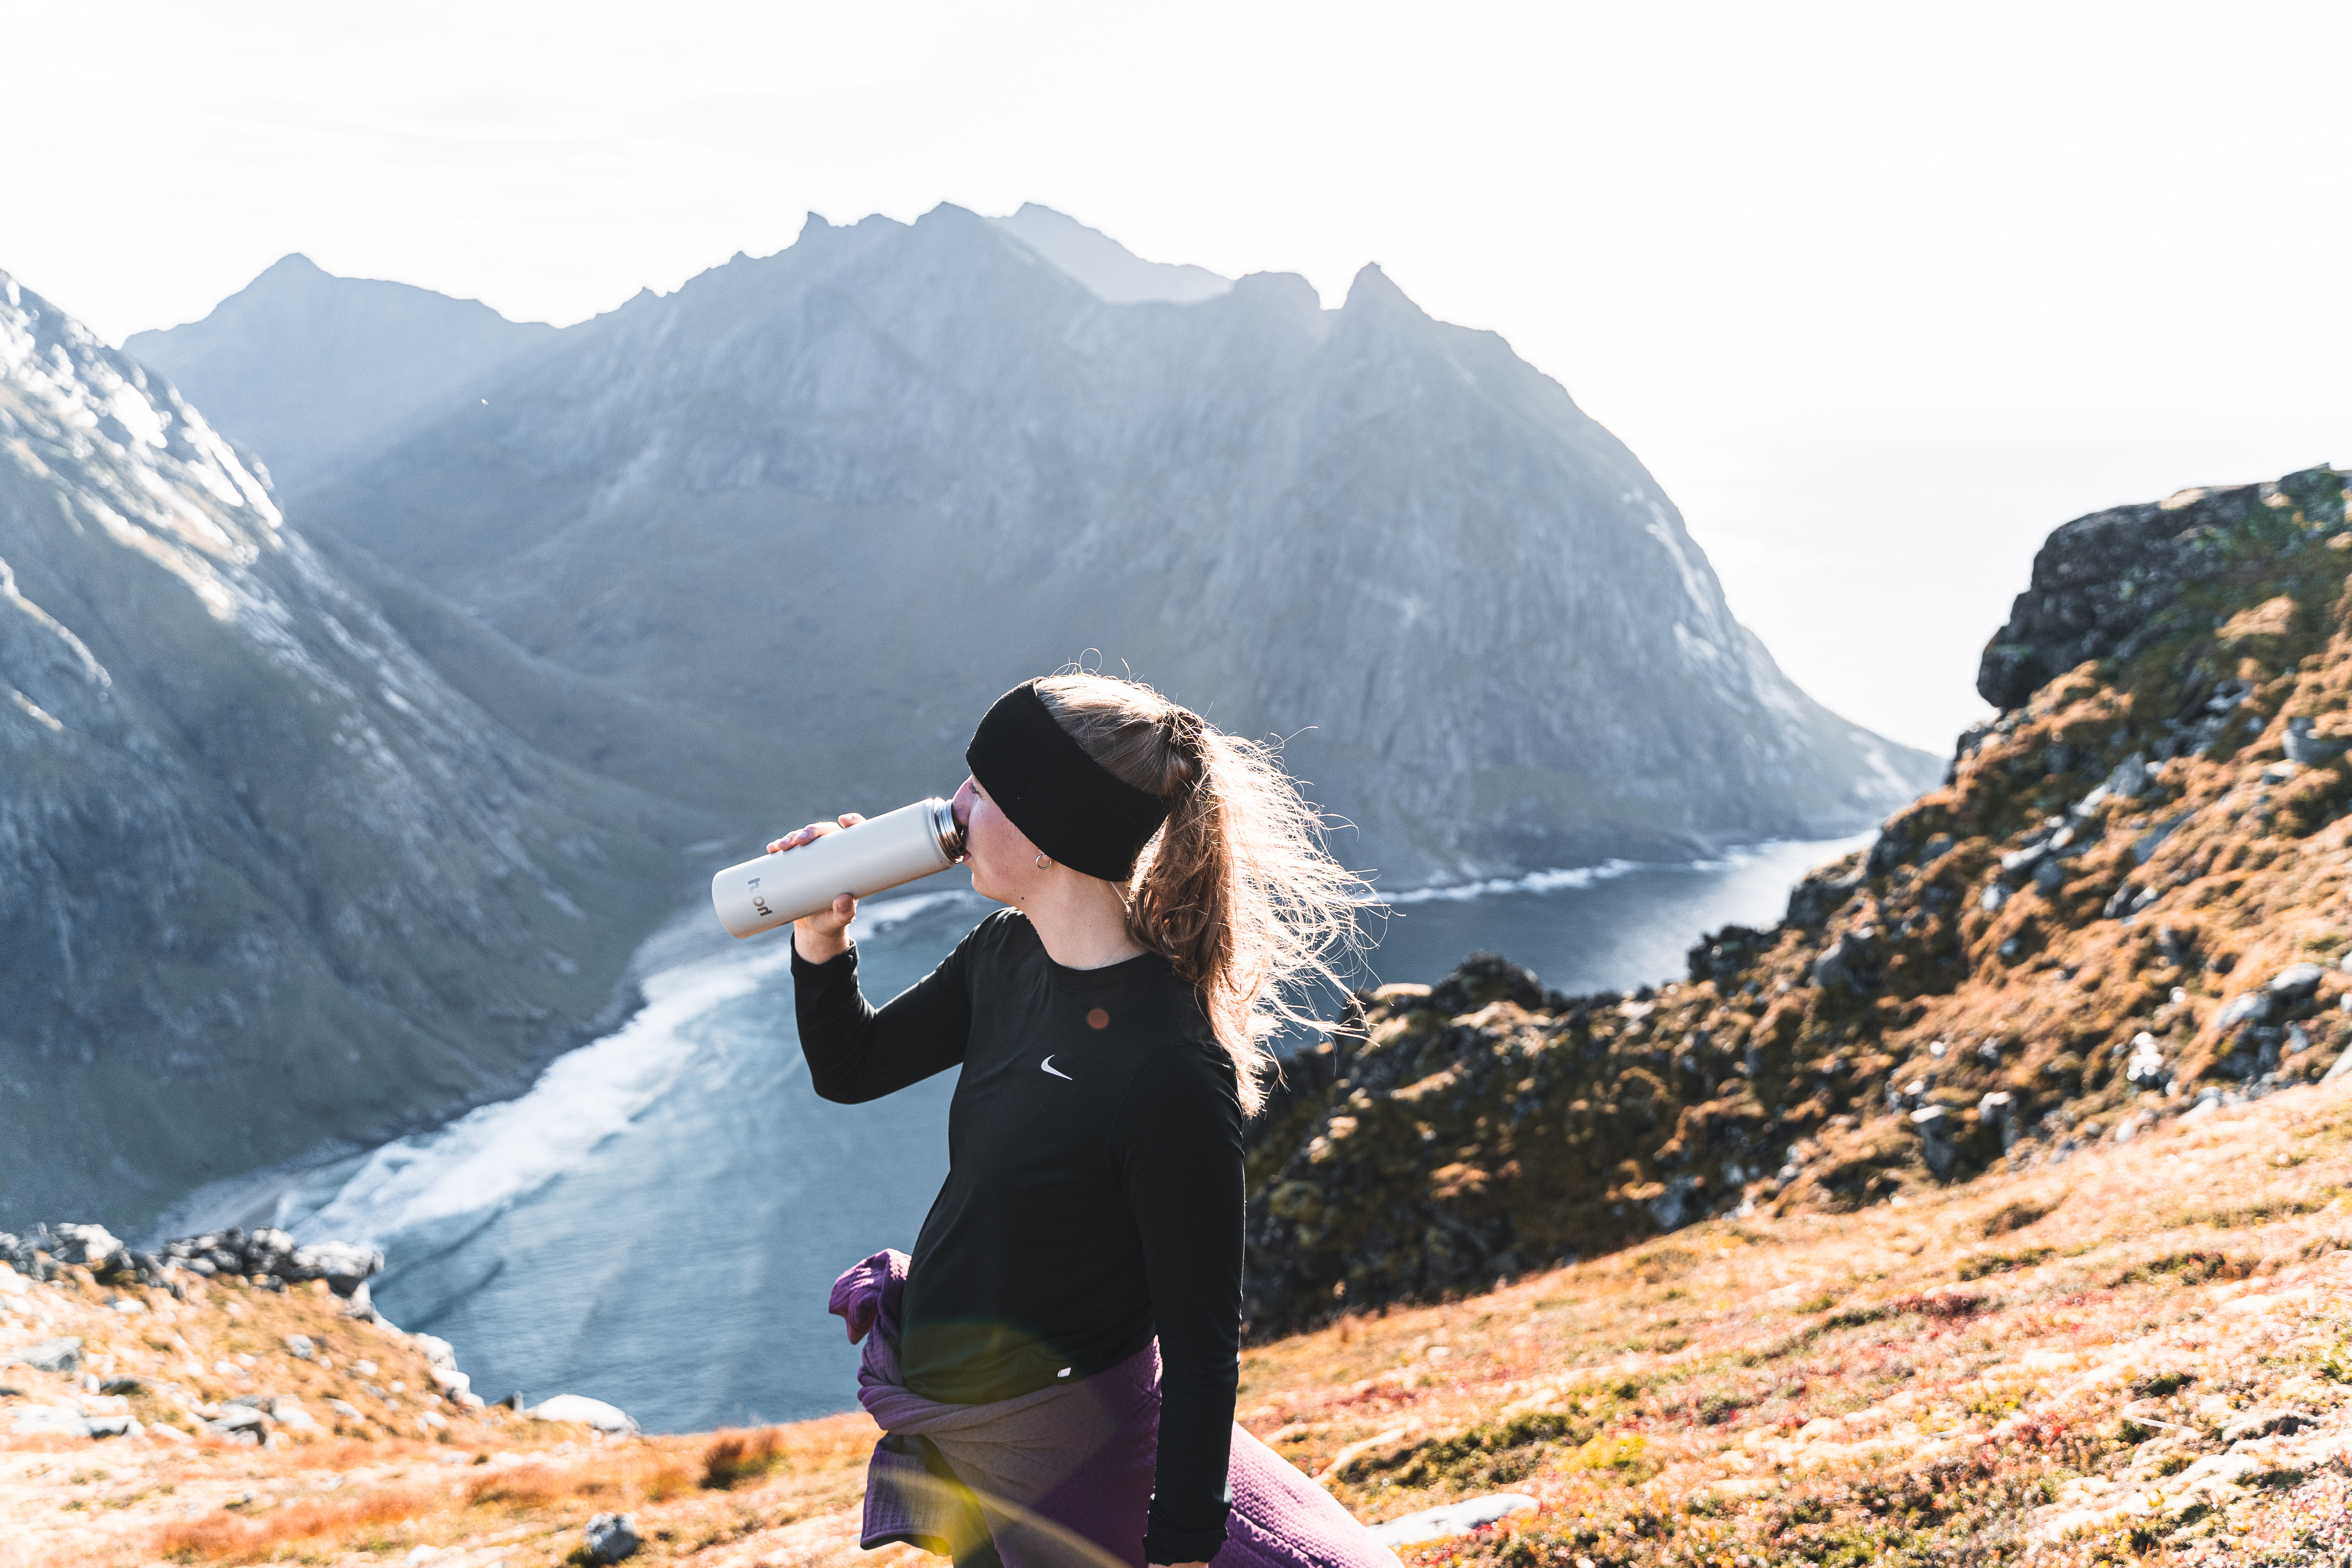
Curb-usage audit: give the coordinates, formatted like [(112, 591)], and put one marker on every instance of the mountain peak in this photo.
[(293, 267), (300, 358), (1375, 288), (1110, 271)]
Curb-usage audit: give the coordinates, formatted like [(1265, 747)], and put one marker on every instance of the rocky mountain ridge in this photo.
[(267, 881), (800, 520), (2125, 905)]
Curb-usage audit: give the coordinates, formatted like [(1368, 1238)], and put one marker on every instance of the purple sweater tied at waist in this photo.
[(1060, 1478)]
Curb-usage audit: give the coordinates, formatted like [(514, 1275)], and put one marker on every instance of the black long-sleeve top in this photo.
[(1093, 1192)]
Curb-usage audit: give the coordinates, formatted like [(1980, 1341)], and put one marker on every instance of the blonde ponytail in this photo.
[(1236, 889)]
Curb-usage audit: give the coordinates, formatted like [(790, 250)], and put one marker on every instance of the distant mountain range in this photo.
[(267, 881), (316, 825), (801, 519)]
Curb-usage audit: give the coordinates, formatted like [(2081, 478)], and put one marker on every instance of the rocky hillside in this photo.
[(2144, 1357), (800, 520), (2125, 906), (267, 881)]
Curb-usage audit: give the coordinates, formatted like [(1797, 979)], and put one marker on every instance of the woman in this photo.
[(1056, 1364)]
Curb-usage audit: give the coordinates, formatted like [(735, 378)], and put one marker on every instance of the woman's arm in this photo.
[(1180, 1152), (857, 1052)]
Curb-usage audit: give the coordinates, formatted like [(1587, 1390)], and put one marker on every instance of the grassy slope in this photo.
[(2040, 1361)]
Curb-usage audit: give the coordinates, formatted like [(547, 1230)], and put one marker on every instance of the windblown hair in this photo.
[(1235, 889)]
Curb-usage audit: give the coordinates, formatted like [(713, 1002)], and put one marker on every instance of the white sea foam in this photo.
[(498, 1154), (1568, 877), (1550, 882)]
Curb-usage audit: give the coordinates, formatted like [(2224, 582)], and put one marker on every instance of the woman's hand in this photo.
[(820, 938)]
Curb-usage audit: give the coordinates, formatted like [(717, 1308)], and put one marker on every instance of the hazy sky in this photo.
[(1882, 292)]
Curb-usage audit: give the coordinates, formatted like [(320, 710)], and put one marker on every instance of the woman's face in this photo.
[(1004, 862)]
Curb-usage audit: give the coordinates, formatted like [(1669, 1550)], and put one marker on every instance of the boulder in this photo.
[(2306, 749), (2000, 1111), (269, 1252), (2247, 1008), (612, 1537), (1454, 1518), (2020, 863), (1933, 1125), (344, 1266), (1849, 963), (586, 1412), (50, 1420), (442, 1360), (2296, 982), (93, 1246), (287, 1411), (2263, 1421), (60, 1354)]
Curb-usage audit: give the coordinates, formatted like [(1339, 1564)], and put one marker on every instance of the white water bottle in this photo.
[(878, 854)]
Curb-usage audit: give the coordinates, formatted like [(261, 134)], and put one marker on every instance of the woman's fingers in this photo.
[(824, 936), (837, 917), (815, 831)]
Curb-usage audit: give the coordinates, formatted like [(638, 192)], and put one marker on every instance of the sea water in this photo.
[(656, 1223)]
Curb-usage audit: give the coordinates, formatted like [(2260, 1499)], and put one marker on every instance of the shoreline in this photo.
[(290, 1195)]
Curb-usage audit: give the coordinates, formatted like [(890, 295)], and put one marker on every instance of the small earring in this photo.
[(1042, 862)]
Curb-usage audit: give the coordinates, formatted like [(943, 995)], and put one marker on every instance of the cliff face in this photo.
[(2127, 902), (801, 520), (265, 880)]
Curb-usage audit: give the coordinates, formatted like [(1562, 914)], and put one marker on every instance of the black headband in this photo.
[(1069, 805)]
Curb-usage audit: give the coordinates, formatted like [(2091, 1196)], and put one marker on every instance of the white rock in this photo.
[(289, 1411), (1454, 1518), (587, 1411), (50, 1419)]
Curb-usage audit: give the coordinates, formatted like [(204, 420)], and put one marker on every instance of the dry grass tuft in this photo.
[(2015, 1217), (740, 1456), (227, 1537)]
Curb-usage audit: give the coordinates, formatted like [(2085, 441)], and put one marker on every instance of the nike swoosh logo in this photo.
[(1048, 1065)]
